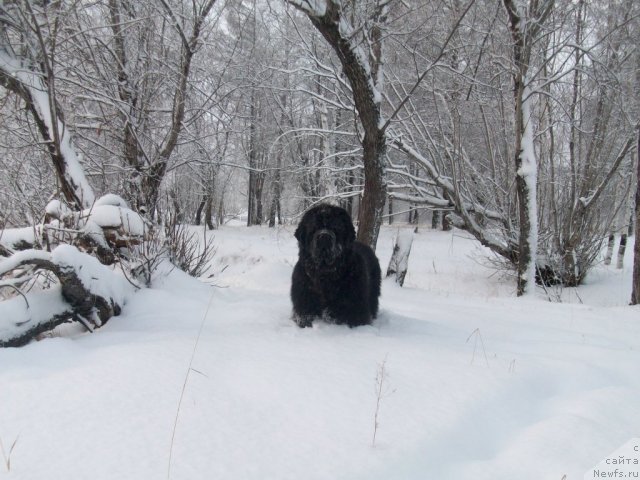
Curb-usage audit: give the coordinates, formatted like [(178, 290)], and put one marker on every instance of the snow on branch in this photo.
[(88, 292), (464, 209), (593, 196), (109, 223), (316, 8), (17, 76)]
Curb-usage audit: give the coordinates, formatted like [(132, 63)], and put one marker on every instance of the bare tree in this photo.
[(136, 74), (359, 49)]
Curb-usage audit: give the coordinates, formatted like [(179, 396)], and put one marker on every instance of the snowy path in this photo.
[(557, 390)]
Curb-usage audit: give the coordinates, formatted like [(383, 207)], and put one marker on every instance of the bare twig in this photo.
[(7, 456), (478, 337), (381, 391)]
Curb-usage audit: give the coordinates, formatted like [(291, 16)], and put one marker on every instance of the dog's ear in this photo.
[(299, 234), (351, 231)]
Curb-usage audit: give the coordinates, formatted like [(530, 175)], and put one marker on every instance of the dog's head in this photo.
[(324, 234)]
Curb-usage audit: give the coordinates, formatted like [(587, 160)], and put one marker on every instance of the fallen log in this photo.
[(88, 292)]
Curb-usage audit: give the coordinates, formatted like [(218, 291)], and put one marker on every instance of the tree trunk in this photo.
[(253, 179), (447, 225), (435, 219), (525, 161), (610, 244), (622, 247), (375, 187), (275, 210), (635, 287), (221, 211), (525, 186), (259, 187), (201, 205), (208, 213)]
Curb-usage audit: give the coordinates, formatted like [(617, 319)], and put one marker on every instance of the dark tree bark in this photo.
[(435, 219), (208, 213), (198, 219)]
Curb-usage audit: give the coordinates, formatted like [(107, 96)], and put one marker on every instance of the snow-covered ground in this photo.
[(476, 384)]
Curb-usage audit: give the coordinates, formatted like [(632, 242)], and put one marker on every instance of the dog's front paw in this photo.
[(303, 321)]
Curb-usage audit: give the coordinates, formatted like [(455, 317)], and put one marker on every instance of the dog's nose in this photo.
[(325, 239)]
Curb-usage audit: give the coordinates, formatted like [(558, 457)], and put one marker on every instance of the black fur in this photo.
[(336, 276)]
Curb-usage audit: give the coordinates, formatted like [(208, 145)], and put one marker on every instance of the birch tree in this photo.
[(525, 24)]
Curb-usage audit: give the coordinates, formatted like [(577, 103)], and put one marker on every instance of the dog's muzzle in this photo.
[(324, 247)]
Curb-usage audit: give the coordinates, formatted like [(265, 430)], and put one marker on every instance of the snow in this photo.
[(9, 263), (17, 317), (57, 209), (105, 214), (550, 390), (12, 237), (112, 199), (316, 8), (111, 216)]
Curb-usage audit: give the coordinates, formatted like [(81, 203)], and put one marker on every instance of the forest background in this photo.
[(516, 121)]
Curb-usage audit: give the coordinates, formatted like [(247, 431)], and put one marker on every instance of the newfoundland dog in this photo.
[(336, 278)]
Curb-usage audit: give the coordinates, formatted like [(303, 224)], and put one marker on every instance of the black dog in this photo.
[(336, 276)]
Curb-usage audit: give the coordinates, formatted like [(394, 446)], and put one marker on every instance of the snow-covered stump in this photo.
[(399, 263), (88, 292)]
